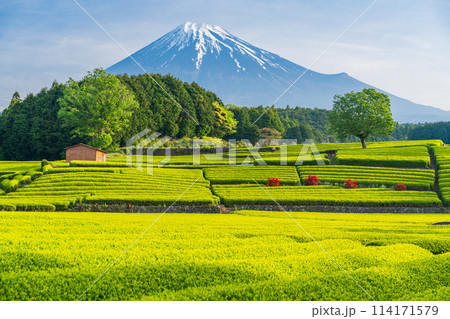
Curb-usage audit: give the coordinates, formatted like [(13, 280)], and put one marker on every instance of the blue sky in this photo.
[(400, 46)]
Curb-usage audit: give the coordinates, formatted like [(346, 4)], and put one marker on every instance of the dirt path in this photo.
[(332, 156), (436, 174)]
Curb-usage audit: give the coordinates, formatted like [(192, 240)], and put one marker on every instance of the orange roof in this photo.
[(84, 145)]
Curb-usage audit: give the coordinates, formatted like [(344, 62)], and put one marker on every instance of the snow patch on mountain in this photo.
[(209, 39)]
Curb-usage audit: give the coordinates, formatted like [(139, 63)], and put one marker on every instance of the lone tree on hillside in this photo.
[(15, 99), (361, 114), (224, 121), (97, 107)]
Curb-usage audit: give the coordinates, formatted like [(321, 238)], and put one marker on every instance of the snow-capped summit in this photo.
[(198, 42), (191, 27), (215, 40), (204, 36), (243, 74)]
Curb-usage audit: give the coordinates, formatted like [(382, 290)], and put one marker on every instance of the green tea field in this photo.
[(379, 172), (233, 240), (250, 255)]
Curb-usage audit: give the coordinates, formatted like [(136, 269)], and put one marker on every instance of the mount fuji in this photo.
[(245, 75)]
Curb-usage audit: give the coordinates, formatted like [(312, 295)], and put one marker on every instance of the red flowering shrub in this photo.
[(312, 180), (351, 184), (400, 187), (274, 182)]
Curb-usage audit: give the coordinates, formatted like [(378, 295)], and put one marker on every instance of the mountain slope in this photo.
[(242, 74)]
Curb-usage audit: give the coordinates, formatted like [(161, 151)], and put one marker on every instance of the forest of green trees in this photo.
[(31, 129)]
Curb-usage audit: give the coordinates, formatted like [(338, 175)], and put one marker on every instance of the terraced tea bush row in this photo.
[(444, 186), (9, 185), (209, 160), (291, 155), (93, 188), (182, 160), (322, 195), (309, 159), (294, 150), (327, 147), (125, 176), (83, 169), (46, 168), (7, 167), (39, 203), (96, 164), (414, 179), (10, 182), (244, 152), (442, 156), (34, 174), (192, 197), (414, 157), (402, 148), (246, 174), (245, 256)]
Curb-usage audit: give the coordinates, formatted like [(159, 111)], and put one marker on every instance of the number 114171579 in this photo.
[(411, 310)]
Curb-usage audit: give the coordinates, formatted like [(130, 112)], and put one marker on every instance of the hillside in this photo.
[(31, 129)]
